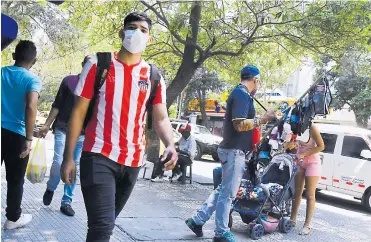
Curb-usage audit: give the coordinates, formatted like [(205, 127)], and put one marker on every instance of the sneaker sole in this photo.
[(16, 227), (68, 215)]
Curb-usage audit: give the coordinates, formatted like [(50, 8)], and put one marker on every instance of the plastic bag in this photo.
[(37, 164)]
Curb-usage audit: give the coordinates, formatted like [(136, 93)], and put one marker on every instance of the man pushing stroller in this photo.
[(239, 123)]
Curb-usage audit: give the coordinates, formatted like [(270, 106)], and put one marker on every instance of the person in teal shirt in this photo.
[(19, 95), (16, 81)]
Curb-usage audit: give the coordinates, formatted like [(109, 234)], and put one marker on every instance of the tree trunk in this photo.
[(201, 98), (186, 100), (180, 105), (152, 147), (188, 66), (361, 120), (185, 73), (181, 80)]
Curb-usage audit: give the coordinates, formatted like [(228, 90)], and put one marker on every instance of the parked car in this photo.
[(207, 143), (346, 161)]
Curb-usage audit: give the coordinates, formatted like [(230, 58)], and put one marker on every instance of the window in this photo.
[(200, 130), (330, 141), (353, 146), (174, 126)]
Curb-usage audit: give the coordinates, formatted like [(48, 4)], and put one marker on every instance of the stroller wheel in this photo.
[(285, 225), (257, 231), (230, 223)]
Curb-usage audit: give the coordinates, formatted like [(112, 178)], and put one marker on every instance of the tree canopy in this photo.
[(222, 36), (187, 35), (199, 87), (351, 82)]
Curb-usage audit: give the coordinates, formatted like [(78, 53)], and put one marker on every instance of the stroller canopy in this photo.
[(280, 169)]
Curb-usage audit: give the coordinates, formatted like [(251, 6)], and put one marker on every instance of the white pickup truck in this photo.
[(346, 161)]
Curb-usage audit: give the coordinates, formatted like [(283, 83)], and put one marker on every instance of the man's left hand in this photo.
[(268, 116), (170, 151)]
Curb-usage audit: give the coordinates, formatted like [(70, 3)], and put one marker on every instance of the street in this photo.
[(156, 212)]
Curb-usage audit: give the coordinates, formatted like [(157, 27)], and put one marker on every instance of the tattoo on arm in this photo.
[(242, 125)]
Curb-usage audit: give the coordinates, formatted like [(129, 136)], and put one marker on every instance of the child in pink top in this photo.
[(309, 170)]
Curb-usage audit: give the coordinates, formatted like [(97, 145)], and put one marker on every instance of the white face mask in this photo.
[(135, 41)]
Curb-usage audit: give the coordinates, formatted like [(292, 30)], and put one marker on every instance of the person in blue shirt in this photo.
[(19, 95), (239, 123)]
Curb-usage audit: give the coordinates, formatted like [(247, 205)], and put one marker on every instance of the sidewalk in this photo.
[(156, 212)]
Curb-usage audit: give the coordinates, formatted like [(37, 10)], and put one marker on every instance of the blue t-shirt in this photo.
[(15, 83), (239, 106)]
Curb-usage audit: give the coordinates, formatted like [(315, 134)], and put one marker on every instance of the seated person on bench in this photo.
[(186, 148)]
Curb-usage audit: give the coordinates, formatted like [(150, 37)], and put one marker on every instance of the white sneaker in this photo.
[(165, 178), (176, 177), (157, 179), (22, 221)]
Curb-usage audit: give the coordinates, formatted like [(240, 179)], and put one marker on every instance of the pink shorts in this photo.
[(311, 166)]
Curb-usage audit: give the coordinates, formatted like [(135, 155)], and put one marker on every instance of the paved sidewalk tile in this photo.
[(156, 212)]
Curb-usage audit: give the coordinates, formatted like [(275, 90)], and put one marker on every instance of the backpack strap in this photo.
[(252, 97), (103, 66), (155, 78)]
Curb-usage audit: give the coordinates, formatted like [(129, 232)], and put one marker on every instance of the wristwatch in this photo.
[(256, 122)]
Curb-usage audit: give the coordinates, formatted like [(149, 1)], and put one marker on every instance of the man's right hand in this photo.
[(172, 156), (68, 171), (268, 116), (26, 150)]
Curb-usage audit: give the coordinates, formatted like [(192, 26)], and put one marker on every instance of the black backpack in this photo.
[(321, 98), (103, 66), (316, 103), (296, 119)]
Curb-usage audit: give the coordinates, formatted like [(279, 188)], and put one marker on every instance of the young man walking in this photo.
[(19, 95), (113, 147), (59, 116), (239, 123)]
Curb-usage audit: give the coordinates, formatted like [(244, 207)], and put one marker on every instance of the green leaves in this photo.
[(274, 35), (278, 15), (351, 84)]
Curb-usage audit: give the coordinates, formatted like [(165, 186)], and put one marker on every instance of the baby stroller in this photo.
[(260, 206)]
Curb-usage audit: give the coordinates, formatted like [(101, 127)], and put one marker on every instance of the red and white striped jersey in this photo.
[(116, 127)]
